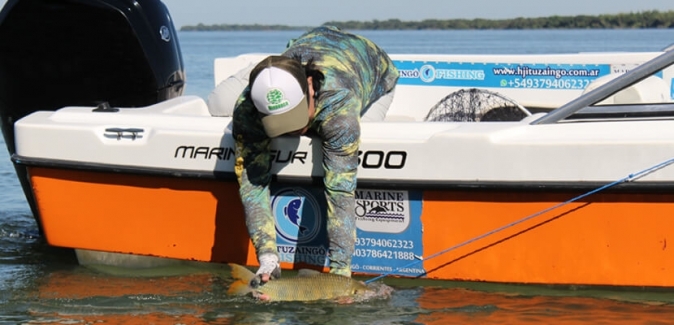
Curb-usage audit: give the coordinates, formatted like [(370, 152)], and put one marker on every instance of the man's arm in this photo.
[(341, 139), (252, 168)]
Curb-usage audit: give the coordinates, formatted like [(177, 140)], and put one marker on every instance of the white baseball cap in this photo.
[(278, 95)]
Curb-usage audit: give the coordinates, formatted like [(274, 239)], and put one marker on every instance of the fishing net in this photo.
[(476, 105)]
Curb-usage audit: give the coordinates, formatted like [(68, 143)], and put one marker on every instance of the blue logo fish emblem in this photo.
[(427, 73), (297, 215), (292, 211)]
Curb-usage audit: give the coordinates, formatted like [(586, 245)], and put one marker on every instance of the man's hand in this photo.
[(269, 270), (261, 279)]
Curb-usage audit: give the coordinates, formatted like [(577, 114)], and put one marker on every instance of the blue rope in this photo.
[(628, 178)]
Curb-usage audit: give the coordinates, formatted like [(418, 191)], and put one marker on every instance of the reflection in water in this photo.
[(196, 295), (470, 307), (45, 285)]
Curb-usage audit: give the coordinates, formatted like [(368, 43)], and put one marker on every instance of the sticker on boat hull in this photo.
[(497, 75), (388, 226), (380, 211), (389, 232), (299, 214)]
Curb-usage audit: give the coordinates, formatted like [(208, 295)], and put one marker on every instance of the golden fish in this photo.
[(308, 285)]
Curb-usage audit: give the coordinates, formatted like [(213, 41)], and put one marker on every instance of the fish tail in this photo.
[(238, 288), (243, 276)]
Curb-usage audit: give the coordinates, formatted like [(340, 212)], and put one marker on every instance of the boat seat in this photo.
[(650, 90)]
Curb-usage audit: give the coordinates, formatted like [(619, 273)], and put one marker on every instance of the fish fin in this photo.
[(307, 272), (239, 288), (241, 273), (242, 276)]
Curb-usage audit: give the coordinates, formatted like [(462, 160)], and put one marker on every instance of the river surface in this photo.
[(46, 285)]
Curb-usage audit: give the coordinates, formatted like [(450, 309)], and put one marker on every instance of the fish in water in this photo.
[(308, 285)]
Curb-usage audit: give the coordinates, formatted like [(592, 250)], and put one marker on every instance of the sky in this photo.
[(317, 12)]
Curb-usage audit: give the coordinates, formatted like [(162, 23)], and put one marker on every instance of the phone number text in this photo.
[(543, 83), (384, 243), (384, 254)]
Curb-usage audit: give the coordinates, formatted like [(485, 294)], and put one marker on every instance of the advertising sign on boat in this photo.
[(500, 75), (389, 232)]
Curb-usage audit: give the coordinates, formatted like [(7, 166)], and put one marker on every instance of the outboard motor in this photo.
[(56, 53)]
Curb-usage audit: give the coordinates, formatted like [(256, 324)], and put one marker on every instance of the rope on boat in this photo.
[(628, 178)]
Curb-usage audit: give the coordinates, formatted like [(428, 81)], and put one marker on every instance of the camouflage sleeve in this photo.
[(252, 168), (341, 138)]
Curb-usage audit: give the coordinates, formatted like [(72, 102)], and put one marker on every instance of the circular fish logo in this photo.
[(427, 73), (297, 215)]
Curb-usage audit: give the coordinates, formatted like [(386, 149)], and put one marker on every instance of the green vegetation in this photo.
[(225, 27), (645, 19)]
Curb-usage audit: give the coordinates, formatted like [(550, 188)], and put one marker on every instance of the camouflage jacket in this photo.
[(357, 73)]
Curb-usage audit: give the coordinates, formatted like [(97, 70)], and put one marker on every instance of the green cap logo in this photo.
[(276, 99)]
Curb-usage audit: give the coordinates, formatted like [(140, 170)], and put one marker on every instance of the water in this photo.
[(45, 285), (200, 49)]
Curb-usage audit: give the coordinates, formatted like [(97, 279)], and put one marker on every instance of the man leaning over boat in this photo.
[(326, 82)]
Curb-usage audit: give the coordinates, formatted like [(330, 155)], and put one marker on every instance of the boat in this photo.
[(59, 53), (529, 169)]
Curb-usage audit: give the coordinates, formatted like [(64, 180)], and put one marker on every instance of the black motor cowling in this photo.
[(56, 53)]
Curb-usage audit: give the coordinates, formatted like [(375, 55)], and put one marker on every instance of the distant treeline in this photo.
[(645, 19), (225, 27)]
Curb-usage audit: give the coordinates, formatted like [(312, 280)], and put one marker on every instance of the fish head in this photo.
[(360, 289), (364, 292)]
